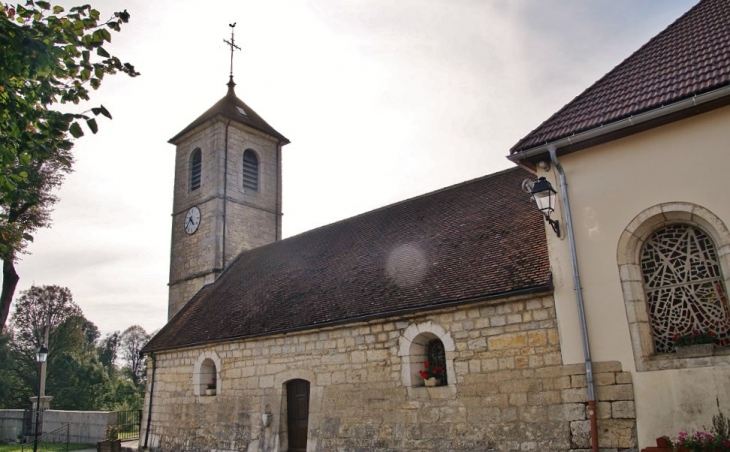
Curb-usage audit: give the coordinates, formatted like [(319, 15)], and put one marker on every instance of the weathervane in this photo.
[(232, 44)]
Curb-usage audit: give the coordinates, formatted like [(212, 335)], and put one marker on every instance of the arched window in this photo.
[(196, 168), (206, 374), (683, 285), (436, 355), (427, 343), (250, 170), (674, 265)]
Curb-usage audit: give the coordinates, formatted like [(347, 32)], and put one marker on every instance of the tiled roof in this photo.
[(688, 58), (228, 107), (477, 240)]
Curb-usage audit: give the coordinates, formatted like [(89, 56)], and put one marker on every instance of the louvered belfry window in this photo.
[(196, 168), (250, 170), (683, 285)]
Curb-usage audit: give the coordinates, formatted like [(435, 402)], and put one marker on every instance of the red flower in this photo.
[(427, 364), (423, 374)]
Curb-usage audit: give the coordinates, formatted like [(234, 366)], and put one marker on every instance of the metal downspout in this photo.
[(152, 392), (579, 299), (225, 198), (277, 233)]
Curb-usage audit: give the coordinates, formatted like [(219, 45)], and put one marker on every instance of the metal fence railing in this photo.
[(55, 441), (129, 422)]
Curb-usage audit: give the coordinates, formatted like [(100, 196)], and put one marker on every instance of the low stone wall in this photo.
[(507, 388), (11, 425), (86, 427)]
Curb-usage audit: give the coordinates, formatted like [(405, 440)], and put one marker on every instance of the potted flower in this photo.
[(694, 344), (210, 390), (432, 374), (111, 442)]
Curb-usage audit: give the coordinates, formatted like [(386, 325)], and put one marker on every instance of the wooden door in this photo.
[(297, 409)]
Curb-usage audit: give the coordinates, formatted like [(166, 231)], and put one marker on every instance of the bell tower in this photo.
[(227, 195)]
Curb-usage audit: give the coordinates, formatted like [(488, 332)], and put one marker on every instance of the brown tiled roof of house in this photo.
[(688, 58), (477, 240), (230, 107)]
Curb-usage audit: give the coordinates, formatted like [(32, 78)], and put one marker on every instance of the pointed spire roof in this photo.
[(233, 108)]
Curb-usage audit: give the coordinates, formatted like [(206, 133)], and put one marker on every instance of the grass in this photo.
[(4, 447)]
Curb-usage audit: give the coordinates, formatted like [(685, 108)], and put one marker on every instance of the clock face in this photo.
[(192, 220)]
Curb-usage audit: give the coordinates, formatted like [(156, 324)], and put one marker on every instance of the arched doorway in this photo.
[(297, 413)]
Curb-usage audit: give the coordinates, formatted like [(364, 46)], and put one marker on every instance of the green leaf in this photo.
[(58, 9), (44, 5), (101, 52), (105, 112), (92, 125), (75, 130)]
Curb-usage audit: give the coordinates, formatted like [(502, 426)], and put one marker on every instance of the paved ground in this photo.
[(126, 445)]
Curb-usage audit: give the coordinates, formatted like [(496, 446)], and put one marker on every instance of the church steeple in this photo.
[(227, 196)]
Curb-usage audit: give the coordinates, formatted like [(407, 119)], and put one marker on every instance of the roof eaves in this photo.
[(546, 288), (709, 100)]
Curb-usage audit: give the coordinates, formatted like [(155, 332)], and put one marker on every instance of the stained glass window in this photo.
[(683, 285)]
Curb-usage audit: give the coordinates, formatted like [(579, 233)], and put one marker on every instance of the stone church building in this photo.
[(546, 331)]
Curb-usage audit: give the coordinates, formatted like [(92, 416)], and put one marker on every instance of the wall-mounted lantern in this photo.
[(544, 195)]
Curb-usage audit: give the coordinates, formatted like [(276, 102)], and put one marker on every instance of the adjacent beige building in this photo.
[(644, 152), (538, 340)]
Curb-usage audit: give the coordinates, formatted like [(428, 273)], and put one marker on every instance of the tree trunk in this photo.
[(10, 282)]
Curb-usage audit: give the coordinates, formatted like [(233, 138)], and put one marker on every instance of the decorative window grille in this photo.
[(196, 168), (436, 355), (683, 285), (250, 170)]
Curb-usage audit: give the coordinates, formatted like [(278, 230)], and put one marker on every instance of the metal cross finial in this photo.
[(232, 44)]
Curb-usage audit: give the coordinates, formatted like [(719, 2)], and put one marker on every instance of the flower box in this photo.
[(694, 351), (432, 382)]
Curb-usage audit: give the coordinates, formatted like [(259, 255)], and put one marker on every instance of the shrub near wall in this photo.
[(508, 390)]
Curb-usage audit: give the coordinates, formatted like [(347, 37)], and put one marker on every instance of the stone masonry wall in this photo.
[(251, 215), (507, 388)]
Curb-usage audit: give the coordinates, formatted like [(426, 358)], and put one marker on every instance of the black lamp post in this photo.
[(40, 357), (544, 195)]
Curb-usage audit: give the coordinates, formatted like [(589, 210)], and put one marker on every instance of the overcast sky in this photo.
[(382, 100)]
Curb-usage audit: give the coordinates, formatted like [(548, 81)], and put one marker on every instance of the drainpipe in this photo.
[(579, 299), (277, 233), (149, 409), (225, 198)]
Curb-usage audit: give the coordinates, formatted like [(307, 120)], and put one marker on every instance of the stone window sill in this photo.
[(436, 392), (720, 357)]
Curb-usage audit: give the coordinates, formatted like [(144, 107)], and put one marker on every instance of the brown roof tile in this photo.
[(476, 240), (228, 107), (690, 57)]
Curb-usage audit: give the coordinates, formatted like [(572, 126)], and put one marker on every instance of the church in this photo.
[(540, 308)]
